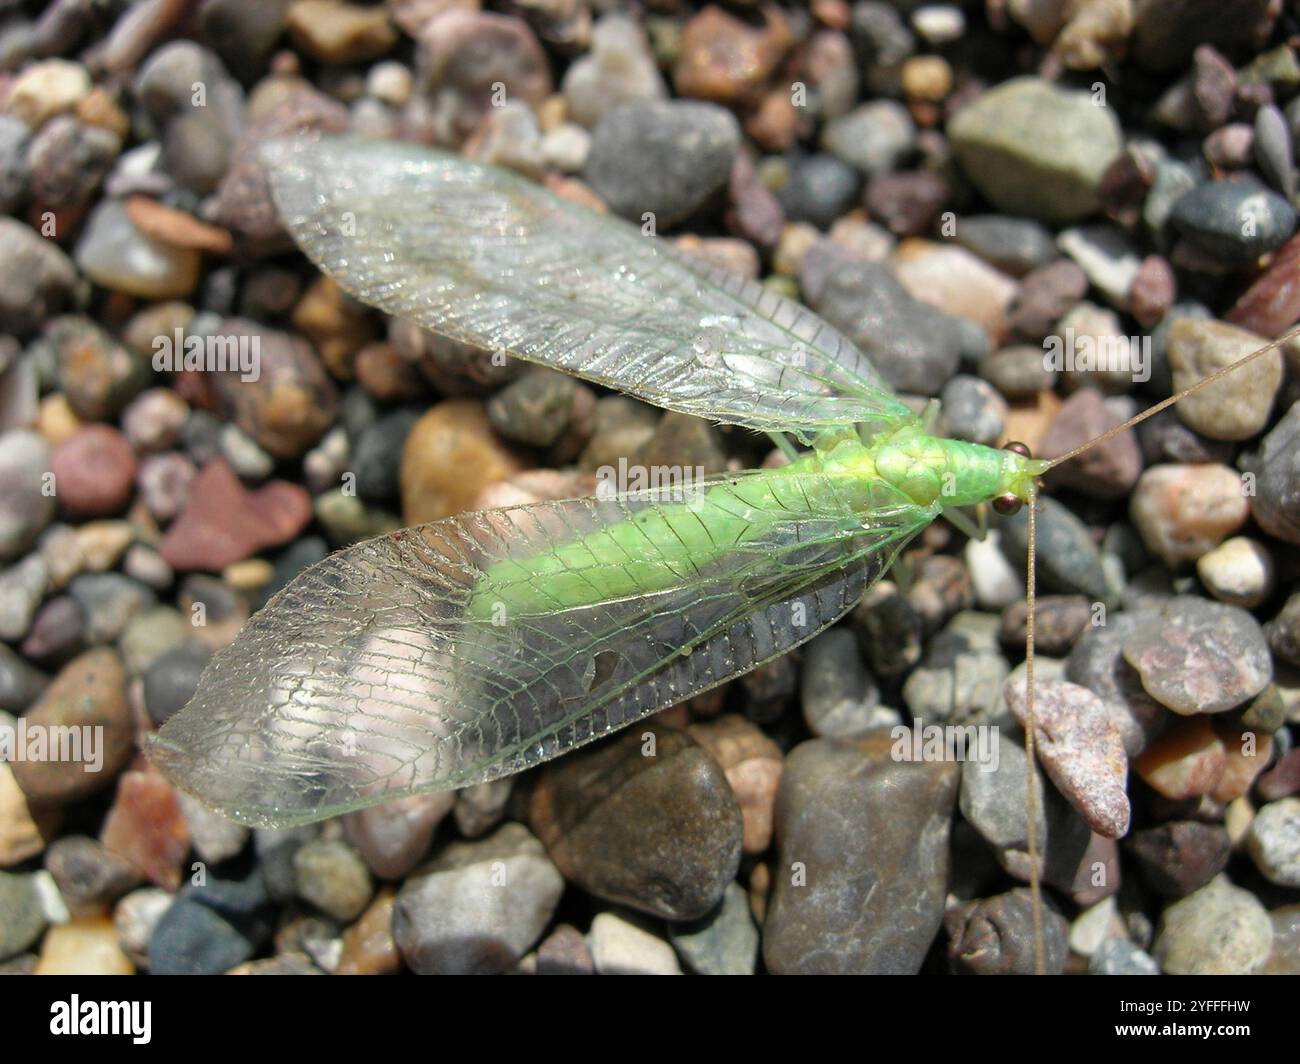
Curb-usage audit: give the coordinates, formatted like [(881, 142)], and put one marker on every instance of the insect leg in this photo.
[(784, 445)]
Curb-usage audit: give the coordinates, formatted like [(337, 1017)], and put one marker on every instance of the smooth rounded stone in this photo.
[(94, 472), (214, 838), (940, 589), (89, 876), (995, 581), (109, 602), (1275, 150), (972, 410), (1164, 438), (535, 409), (862, 859), (377, 457), (1018, 372), (20, 683), (838, 693), (1285, 957), (1179, 857), (172, 678), (246, 458), (1283, 631), (164, 481), (1197, 656), (1219, 929), (817, 189), (565, 952), (915, 347), (25, 829), (1238, 572), (1107, 471), (135, 917), (1186, 761), (211, 928), (1068, 559), (337, 32), (662, 158), (368, 945), (1274, 842), (1037, 150), (481, 807), (1081, 750), (1275, 468), (958, 677), (146, 827), (621, 947), (1014, 245), (1046, 295), (908, 203), (995, 936), (992, 799), (149, 635), (684, 441), (22, 914), (450, 456), (39, 279), (47, 88), (874, 137), (26, 506), (347, 519), (1230, 147), (1106, 256), (1235, 221), (951, 279), (1118, 956), (85, 946), (57, 633), (1059, 620), (275, 851), (1153, 291), (14, 167), (68, 160), (89, 692), (114, 253), (1272, 302), (752, 763), (1184, 511), (331, 875), (725, 942), (648, 820), (394, 837), (22, 586), (619, 68), (1237, 407), (478, 906), (1097, 662)]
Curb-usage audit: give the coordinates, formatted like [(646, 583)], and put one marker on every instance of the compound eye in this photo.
[(1007, 505), (1016, 447)]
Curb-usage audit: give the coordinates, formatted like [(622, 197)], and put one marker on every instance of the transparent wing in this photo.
[(489, 258), (460, 651)]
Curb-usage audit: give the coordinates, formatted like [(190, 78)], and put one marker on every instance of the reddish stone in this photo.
[(223, 522), (94, 472), (146, 828), (1271, 305), (1153, 291)]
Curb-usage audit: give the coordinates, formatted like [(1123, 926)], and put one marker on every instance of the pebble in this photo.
[(1179, 857), (26, 507), (481, 808), (1271, 303), (1068, 559), (958, 677), (1219, 929), (214, 838), (90, 877), (1238, 572), (114, 253), (1059, 620), (1107, 471), (752, 763), (337, 32), (1037, 150), (22, 913), (331, 875), (25, 830), (39, 280), (660, 832), (725, 942), (950, 278), (149, 635), (1283, 631), (1198, 656), (619, 68), (535, 409), (1015, 246), (368, 945), (1081, 750), (68, 161), (1237, 407), (1118, 956), (1186, 761), (1285, 958), (1282, 780), (1274, 842), (478, 906), (907, 203), (728, 59), (994, 580), (1235, 221), (1153, 291), (451, 455), (146, 828), (992, 800), (1018, 372), (1046, 294), (1275, 151), (146, 566), (15, 172), (211, 928), (394, 837), (90, 691), (818, 189), (620, 947), (22, 586), (98, 375), (85, 946), (862, 859), (915, 347), (874, 137), (94, 472), (47, 88), (1106, 256), (1184, 511), (995, 936), (135, 917), (839, 695), (1275, 469), (626, 165), (223, 522), (109, 602)]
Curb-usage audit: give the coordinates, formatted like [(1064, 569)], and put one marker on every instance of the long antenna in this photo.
[(1164, 404), (1031, 801)]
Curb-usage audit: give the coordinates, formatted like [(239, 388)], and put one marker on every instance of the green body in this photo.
[(908, 474)]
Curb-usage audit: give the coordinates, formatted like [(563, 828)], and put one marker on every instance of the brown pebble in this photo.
[(1186, 761), (94, 472)]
